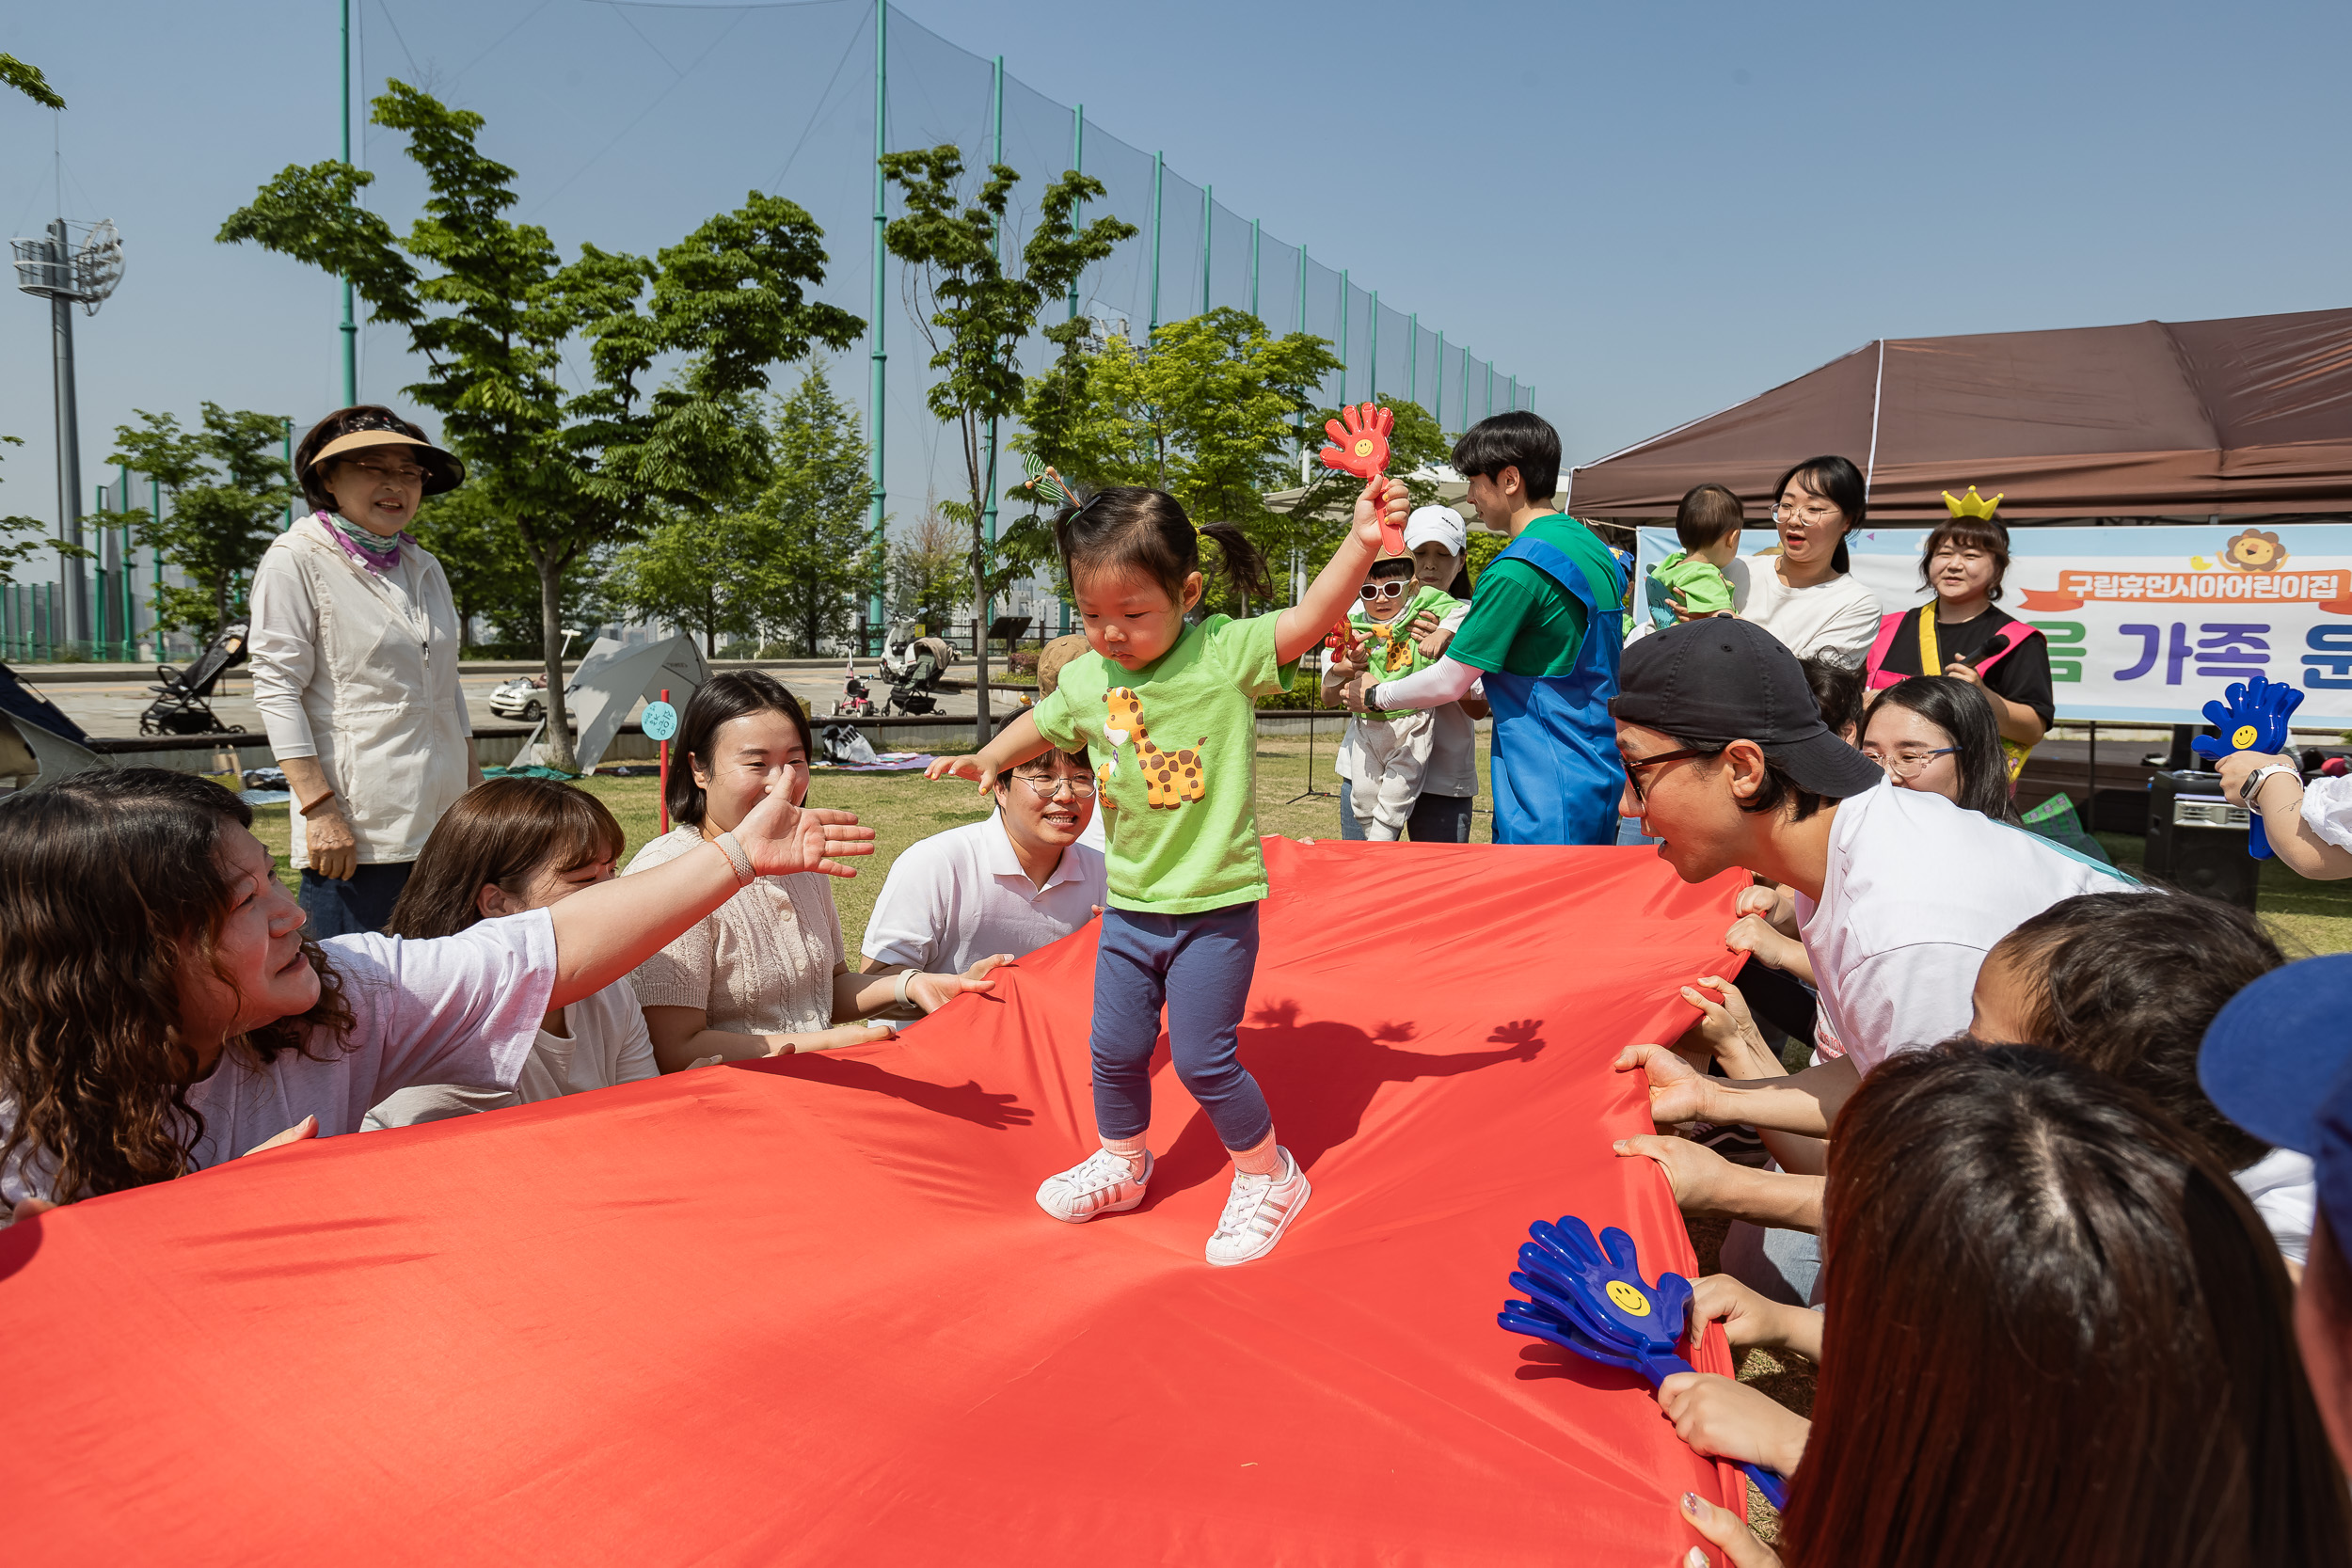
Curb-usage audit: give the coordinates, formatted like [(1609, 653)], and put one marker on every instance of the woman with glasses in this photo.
[(996, 889), (354, 666), (1936, 732), (1804, 595), (764, 974)]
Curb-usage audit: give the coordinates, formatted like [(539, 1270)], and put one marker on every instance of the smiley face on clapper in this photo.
[(1360, 446)]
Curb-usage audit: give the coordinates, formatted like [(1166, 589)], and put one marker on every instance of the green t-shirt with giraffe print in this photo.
[(1175, 752)]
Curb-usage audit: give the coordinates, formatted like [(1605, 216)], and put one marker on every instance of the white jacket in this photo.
[(359, 669)]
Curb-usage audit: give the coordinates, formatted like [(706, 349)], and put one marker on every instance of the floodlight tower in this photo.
[(69, 274)]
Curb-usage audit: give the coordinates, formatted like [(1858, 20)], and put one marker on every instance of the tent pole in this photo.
[(1871, 467)]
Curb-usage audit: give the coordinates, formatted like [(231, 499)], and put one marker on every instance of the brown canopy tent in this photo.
[(2162, 418)]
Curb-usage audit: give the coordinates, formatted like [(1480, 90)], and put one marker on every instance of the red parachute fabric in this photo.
[(807, 1312)]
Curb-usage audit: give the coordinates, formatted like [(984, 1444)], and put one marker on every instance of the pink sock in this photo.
[(1261, 1158), (1130, 1149)]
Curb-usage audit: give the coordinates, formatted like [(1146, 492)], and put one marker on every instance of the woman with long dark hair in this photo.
[(765, 973), (162, 1011), (506, 848), (1936, 732), (2055, 1333)]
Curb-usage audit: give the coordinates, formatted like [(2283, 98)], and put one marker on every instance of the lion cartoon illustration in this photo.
[(2255, 550)]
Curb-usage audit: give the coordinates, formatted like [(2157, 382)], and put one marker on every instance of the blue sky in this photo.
[(1646, 212)]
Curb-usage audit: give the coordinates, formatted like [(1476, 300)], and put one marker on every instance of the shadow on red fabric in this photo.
[(807, 1311)]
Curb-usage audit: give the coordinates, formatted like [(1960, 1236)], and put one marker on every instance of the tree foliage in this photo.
[(1207, 410), (28, 80), (816, 504), (496, 313), (976, 312), (930, 579), (21, 538), (229, 488), (491, 575)]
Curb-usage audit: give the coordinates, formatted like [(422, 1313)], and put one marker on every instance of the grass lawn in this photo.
[(2303, 917), (903, 807)]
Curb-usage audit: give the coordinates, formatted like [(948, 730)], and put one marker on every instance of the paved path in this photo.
[(113, 707)]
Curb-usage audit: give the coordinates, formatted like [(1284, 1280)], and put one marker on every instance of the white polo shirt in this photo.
[(956, 897), (1916, 893)]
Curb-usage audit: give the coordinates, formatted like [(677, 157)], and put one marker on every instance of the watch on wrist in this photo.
[(2249, 793)]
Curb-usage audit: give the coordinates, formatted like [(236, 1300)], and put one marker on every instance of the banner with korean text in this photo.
[(2147, 623)]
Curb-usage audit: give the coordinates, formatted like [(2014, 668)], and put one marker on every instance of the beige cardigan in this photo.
[(360, 671)]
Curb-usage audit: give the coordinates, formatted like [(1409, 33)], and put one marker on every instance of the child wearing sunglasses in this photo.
[(1384, 755)]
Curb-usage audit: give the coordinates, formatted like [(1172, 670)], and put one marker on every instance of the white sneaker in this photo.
[(1102, 1183), (1259, 1210)]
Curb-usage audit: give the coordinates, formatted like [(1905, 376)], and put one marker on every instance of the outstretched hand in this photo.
[(931, 992), (973, 766), (781, 838)]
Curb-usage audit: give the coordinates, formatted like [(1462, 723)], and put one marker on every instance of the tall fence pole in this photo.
[(878, 388), (1077, 165), (1412, 359), (1253, 266), (988, 507), (1208, 238), (1343, 292), (1437, 401), (1372, 350), (1159, 168)]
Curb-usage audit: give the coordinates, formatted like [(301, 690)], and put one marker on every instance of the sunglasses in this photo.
[(1392, 588)]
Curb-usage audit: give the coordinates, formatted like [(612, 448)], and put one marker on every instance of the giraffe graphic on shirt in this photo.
[(1170, 778)]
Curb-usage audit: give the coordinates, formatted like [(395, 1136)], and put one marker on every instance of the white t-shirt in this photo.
[(2328, 809), (607, 1044), (1838, 618), (955, 898), (1916, 892), (461, 1009), (2283, 1189)]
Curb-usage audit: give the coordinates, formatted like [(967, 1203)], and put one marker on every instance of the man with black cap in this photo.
[(1898, 893), (2275, 1060)]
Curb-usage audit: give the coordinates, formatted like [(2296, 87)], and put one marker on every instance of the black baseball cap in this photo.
[(1712, 682)]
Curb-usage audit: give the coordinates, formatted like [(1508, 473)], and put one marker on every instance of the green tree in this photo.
[(976, 312), (931, 579), (499, 311), (21, 538), (817, 547), (229, 490), (697, 571), (27, 80), (489, 572), (1208, 411)]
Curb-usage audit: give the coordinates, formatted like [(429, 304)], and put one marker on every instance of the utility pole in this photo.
[(876, 388), (51, 268), (351, 325)]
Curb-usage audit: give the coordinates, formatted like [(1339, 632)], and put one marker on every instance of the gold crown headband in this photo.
[(1971, 504)]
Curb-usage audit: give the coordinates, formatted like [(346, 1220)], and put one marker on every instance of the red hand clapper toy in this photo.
[(1363, 450)]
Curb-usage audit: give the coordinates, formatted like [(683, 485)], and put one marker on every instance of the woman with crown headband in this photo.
[(354, 666), (1959, 633)]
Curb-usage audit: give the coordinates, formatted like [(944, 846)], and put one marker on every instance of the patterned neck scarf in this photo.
[(369, 549)]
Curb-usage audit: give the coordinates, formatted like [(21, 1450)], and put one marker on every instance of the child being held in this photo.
[(1707, 524), (1386, 755)]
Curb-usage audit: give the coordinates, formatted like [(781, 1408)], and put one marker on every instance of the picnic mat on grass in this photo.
[(806, 1311)]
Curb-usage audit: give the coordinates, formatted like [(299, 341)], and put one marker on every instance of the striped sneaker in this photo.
[(1102, 1183), (1260, 1209)]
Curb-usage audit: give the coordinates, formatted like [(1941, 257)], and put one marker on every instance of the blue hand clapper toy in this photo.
[(1590, 1297), (2254, 718)]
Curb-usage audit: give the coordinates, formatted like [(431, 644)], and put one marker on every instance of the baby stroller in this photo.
[(180, 706), (913, 683)]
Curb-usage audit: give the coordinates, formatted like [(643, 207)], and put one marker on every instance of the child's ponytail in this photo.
[(1129, 529)]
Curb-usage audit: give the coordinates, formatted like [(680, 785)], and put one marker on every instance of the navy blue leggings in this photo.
[(1200, 965)]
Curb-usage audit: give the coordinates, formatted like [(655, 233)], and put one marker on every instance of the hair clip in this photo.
[(1048, 484)]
